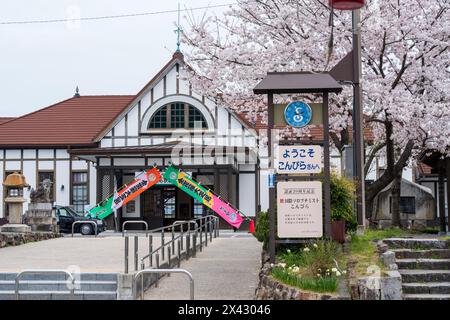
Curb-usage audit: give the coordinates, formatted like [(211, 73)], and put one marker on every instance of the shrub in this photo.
[(342, 196), (262, 228), (316, 284)]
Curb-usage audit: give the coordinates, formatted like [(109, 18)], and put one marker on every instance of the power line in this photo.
[(113, 16)]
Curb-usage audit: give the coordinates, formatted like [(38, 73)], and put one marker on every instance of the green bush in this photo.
[(262, 228), (342, 196), (316, 284)]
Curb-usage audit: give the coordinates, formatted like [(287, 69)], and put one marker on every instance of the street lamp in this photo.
[(358, 138)]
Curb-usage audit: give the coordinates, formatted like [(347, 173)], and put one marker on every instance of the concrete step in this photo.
[(62, 295), (61, 277), (426, 288), (424, 264), (38, 285), (426, 296), (409, 276), (422, 254), (417, 244)]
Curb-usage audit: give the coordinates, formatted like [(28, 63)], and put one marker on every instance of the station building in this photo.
[(88, 145)]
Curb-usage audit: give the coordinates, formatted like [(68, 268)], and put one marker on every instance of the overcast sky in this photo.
[(41, 64)]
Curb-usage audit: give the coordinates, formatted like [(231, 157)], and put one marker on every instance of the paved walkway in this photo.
[(227, 270)]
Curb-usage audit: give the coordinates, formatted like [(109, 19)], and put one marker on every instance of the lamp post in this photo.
[(358, 137)]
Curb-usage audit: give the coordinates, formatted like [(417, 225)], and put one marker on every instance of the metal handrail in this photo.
[(147, 271), (83, 222), (134, 222), (51, 271), (189, 222)]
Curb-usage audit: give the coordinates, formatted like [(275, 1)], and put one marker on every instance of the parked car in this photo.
[(66, 216)]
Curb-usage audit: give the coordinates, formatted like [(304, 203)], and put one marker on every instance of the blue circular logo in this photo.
[(298, 114)]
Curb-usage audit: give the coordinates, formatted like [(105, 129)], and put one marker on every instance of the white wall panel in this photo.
[(247, 194), (105, 162), (171, 81), (1, 189), (92, 185), (46, 154), (119, 129), (13, 154), (12, 165), (46, 165), (106, 143), (29, 154), (62, 154), (264, 190), (133, 122), (158, 90), (62, 179), (129, 162), (79, 165)]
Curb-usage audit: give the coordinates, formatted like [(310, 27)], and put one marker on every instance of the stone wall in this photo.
[(16, 239)]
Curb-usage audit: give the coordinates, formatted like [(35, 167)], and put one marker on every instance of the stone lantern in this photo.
[(14, 184)]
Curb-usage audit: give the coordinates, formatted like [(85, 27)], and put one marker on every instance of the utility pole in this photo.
[(358, 136)]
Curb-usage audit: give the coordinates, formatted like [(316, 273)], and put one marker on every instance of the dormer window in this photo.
[(178, 115)]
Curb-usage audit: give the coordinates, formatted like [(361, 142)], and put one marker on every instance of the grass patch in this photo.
[(363, 249), (327, 284)]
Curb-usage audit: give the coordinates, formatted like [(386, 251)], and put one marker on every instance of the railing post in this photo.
[(157, 267), (194, 247), (188, 244), (126, 254), (162, 244), (173, 240), (150, 249), (210, 229), (201, 235), (168, 258), (181, 235), (206, 231), (136, 253), (179, 252)]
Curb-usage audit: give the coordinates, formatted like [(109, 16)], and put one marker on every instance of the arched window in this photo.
[(178, 115)]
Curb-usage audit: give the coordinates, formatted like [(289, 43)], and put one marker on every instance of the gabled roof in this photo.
[(176, 58), (73, 122)]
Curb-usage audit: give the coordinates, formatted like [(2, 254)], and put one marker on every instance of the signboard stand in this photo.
[(293, 83)]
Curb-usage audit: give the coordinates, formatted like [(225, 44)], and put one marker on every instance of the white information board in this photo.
[(299, 209), (299, 159)]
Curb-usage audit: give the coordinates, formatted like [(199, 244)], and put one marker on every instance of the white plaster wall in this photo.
[(222, 125), (45, 154), (92, 185), (129, 162), (46, 165), (145, 102), (12, 165), (119, 129), (264, 190), (29, 171), (12, 154), (247, 194), (79, 165), (133, 122), (171, 81), (184, 84), (62, 178), (158, 90), (62, 154), (106, 143), (29, 154)]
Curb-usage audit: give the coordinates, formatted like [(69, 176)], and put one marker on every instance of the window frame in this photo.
[(169, 126), (73, 184)]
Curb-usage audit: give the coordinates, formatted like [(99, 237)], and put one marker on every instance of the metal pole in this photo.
[(326, 164), (210, 229), (136, 254), (173, 240), (358, 139), (126, 254), (201, 233), (179, 252), (272, 199), (168, 258), (194, 247), (157, 267), (150, 249), (162, 244), (206, 231), (181, 236)]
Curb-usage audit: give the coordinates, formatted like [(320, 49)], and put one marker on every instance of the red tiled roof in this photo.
[(5, 119), (72, 122), (424, 170)]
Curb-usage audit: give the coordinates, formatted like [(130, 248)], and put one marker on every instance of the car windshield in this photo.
[(74, 213)]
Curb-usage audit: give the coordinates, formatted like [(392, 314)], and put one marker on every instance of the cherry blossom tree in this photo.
[(405, 74)]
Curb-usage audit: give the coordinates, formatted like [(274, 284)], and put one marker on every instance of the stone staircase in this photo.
[(424, 265), (89, 286)]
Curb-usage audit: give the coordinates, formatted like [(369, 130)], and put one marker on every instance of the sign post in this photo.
[(299, 162)]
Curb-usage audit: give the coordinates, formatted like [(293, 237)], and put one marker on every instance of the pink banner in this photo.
[(226, 212)]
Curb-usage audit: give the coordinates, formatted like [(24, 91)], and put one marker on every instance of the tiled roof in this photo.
[(5, 119), (72, 122)]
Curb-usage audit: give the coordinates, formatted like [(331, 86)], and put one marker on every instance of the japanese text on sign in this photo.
[(299, 209), (299, 159)]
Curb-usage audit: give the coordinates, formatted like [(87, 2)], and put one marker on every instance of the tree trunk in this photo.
[(395, 194)]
